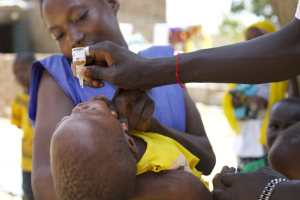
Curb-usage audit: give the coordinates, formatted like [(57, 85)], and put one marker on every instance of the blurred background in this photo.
[(188, 25)]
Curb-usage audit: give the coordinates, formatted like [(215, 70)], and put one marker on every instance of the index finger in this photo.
[(227, 179), (112, 104)]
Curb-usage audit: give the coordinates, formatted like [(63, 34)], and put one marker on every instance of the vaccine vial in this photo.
[(79, 60)]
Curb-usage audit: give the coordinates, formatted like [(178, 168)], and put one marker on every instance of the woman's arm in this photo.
[(53, 105), (194, 139)]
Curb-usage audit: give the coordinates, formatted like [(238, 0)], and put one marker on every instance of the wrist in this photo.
[(268, 192), (288, 191), (163, 70)]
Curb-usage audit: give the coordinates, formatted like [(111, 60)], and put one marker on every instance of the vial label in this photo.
[(79, 56)]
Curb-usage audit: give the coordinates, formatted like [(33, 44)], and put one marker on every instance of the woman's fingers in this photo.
[(135, 114), (112, 105), (145, 117), (124, 109)]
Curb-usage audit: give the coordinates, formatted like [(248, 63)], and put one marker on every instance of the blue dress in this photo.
[(169, 100)]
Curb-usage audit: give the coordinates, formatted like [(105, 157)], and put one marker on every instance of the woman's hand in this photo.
[(133, 108), (116, 65)]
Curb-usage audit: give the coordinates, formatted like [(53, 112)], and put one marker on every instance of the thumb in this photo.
[(95, 72)]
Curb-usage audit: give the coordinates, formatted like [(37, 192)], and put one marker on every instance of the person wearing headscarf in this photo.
[(246, 107)]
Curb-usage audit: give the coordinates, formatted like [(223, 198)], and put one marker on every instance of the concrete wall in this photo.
[(40, 39), (8, 85)]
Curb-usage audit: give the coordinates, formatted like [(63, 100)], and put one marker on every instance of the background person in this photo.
[(21, 68), (246, 107)]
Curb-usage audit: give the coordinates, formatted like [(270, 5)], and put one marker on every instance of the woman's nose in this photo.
[(76, 39)]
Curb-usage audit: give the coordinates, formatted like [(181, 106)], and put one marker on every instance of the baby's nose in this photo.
[(80, 108)]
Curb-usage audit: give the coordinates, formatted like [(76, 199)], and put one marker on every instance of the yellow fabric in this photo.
[(189, 46), (277, 92), (161, 152), (20, 118), (208, 41), (267, 25)]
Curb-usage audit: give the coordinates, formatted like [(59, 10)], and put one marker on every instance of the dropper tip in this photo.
[(81, 82)]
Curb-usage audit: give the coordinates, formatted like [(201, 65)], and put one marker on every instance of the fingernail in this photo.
[(114, 114), (124, 127)]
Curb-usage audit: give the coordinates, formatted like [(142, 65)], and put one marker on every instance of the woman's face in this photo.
[(79, 23)]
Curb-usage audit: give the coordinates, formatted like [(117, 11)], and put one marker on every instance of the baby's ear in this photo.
[(132, 145)]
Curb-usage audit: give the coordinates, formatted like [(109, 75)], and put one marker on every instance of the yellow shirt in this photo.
[(164, 153), (20, 118)]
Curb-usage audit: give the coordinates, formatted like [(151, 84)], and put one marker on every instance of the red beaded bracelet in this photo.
[(181, 85)]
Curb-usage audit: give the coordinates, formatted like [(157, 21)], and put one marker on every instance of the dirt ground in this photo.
[(217, 128)]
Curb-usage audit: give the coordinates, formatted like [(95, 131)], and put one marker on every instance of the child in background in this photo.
[(283, 114), (21, 69), (283, 140)]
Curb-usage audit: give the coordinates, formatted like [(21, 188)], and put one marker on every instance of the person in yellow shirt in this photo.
[(21, 69), (93, 158)]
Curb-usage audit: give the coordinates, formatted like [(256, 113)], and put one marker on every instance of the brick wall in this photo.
[(143, 14)]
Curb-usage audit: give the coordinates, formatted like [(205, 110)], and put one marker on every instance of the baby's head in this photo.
[(284, 156), (21, 68), (91, 155), (283, 137)]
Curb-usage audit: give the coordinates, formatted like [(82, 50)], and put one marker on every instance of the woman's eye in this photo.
[(81, 18), (59, 37)]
